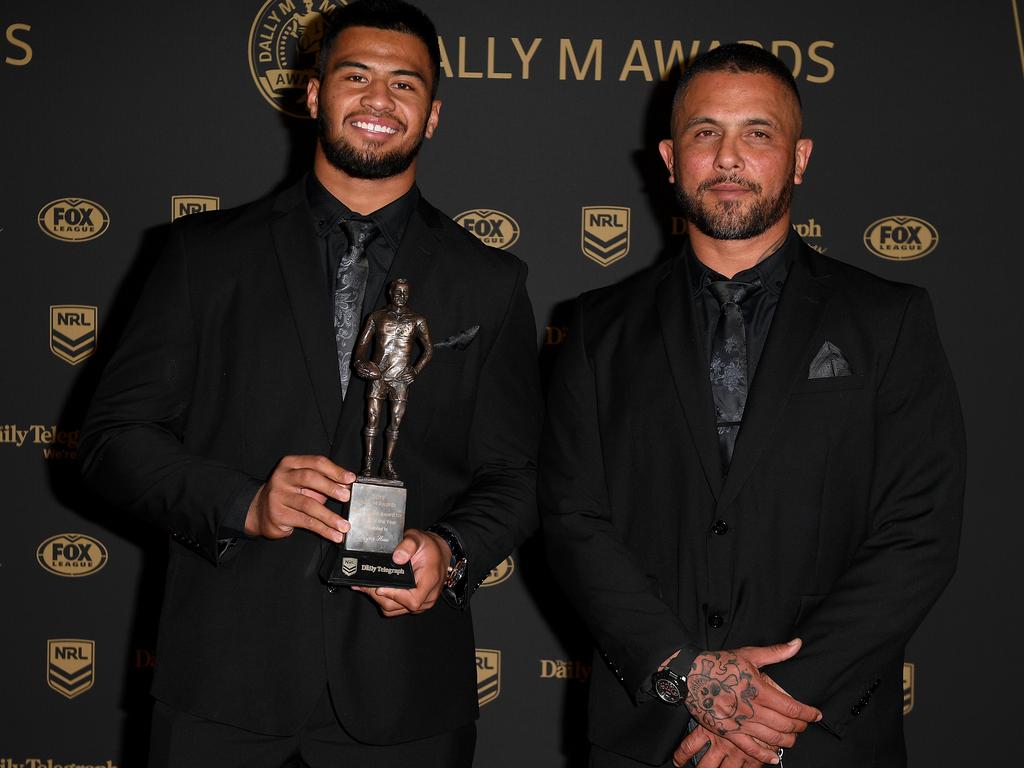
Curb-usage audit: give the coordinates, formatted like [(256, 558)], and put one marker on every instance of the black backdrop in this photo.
[(111, 111)]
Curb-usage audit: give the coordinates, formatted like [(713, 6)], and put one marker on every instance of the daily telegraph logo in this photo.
[(908, 688), (284, 45), (185, 205), (73, 219), (73, 330), (72, 554), (499, 573), (810, 231), (565, 669), (605, 233), (493, 228), (70, 666), (901, 238), (488, 675)]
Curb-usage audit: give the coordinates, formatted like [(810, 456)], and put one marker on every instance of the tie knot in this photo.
[(729, 292), (359, 232)]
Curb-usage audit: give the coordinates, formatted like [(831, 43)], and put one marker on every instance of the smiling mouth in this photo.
[(375, 127)]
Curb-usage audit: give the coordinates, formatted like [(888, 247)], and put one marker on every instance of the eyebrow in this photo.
[(401, 72), (702, 119)]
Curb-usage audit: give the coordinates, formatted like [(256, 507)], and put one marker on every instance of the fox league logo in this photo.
[(73, 330), (72, 554), (493, 228), (605, 233), (284, 48), (70, 666), (73, 219), (901, 238)]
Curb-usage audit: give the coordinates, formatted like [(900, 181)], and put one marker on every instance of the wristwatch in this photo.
[(458, 562), (669, 686)]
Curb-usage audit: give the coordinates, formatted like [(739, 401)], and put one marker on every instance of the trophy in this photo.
[(383, 355)]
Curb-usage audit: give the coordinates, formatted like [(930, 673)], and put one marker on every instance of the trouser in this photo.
[(181, 740)]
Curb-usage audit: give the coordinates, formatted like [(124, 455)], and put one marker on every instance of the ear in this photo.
[(668, 156), (802, 155), (313, 96), (432, 118)]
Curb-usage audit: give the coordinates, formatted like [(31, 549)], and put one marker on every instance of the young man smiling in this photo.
[(229, 415)]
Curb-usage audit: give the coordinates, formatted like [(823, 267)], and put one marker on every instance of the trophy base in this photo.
[(366, 569), (376, 512)]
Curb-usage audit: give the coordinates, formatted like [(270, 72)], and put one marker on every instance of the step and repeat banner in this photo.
[(118, 118)]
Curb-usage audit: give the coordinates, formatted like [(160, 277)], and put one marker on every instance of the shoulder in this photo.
[(633, 294), (481, 261), (864, 290)]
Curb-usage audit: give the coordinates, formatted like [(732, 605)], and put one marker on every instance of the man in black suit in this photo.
[(221, 418), (706, 521)]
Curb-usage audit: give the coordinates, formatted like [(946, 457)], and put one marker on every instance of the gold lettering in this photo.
[(525, 56), (675, 53), (463, 72), (446, 65), (491, 73), (636, 51), (830, 70), (749, 42), (778, 45), (567, 55), (13, 40)]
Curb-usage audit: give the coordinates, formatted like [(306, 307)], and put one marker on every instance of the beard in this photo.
[(728, 220), (365, 163)]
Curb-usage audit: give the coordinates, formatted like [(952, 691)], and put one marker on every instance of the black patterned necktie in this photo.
[(728, 366), (349, 287)]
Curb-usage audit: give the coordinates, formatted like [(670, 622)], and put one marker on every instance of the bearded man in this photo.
[(229, 415), (753, 458)]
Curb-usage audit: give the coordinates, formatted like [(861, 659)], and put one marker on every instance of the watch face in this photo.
[(667, 690)]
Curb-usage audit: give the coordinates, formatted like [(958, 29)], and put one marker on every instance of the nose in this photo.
[(728, 158), (377, 96)]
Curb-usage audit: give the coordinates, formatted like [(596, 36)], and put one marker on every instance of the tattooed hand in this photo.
[(728, 695), (720, 752)]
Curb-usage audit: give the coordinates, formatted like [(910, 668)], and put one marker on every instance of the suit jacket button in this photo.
[(715, 620), (720, 528)]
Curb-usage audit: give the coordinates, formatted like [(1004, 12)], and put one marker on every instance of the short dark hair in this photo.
[(394, 15), (736, 58)]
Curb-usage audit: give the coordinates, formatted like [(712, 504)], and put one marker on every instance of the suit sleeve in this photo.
[(132, 447), (633, 629), (498, 510), (910, 554)]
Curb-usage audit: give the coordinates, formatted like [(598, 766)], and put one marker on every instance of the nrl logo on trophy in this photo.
[(390, 353)]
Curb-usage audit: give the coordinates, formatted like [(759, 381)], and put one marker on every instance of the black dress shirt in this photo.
[(392, 220), (759, 306)]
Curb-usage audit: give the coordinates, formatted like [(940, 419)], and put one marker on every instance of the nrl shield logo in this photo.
[(605, 233), (72, 332), (349, 566), (284, 48), (70, 666), (908, 688), (184, 205), (488, 675)]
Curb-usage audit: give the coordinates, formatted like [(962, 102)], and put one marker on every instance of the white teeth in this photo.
[(375, 127)]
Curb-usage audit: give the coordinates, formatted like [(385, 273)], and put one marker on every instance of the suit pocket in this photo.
[(831, 384)]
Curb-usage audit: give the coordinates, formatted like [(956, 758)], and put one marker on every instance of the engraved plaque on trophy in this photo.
[(384, 356)]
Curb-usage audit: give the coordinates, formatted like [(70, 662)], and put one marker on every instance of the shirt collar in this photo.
[(770, 273), (329, 210)]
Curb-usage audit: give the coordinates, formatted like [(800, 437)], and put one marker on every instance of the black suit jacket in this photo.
[(228, 364), (841, 508)]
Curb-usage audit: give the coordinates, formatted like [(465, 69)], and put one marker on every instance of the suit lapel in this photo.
[(684, 349), (783, 363), (413, 262), (297, 254)]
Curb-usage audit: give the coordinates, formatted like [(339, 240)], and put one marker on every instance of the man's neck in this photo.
[(363, 196), (728, 257)]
